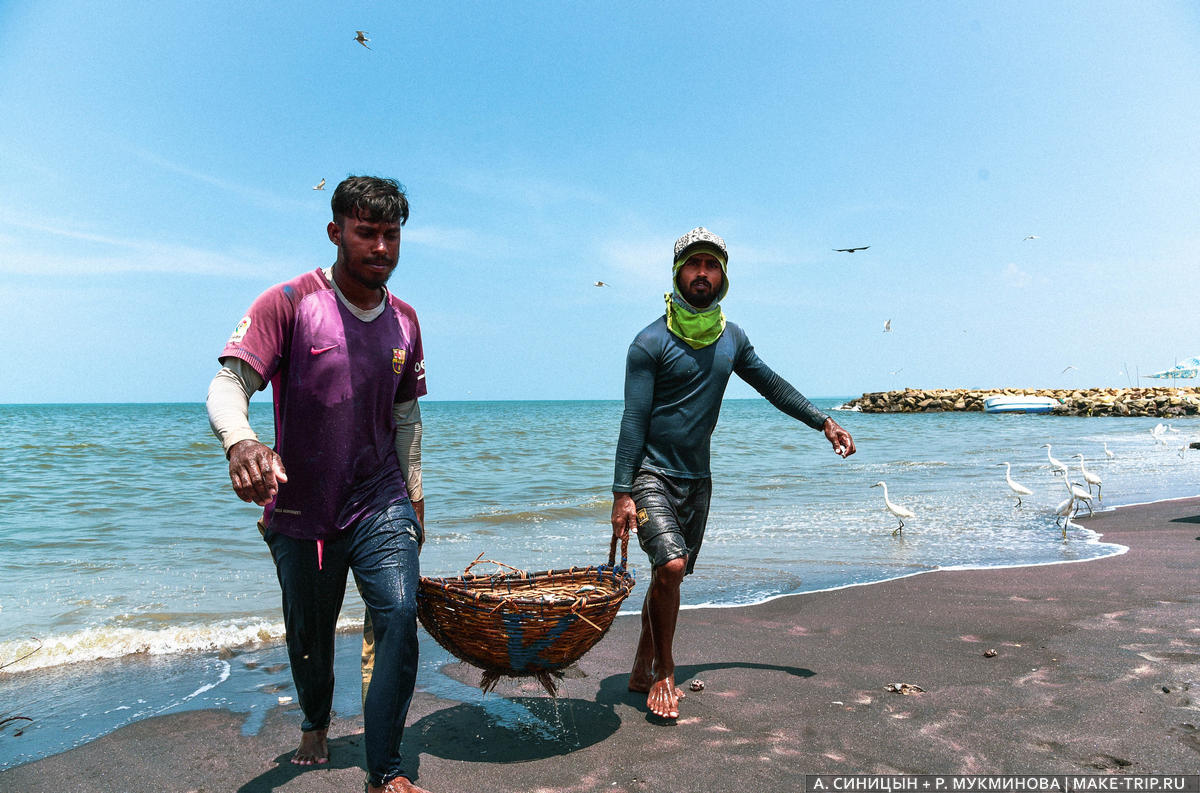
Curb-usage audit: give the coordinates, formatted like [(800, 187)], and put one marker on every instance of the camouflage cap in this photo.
[(697, 237)]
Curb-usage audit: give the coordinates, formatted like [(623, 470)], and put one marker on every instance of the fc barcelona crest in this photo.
[(397, 360)]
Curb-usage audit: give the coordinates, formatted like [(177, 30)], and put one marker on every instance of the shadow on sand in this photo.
[(504, 730), (614, 689), (344, 752)]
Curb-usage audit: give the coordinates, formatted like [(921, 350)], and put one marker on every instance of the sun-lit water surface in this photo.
[(121, 539)]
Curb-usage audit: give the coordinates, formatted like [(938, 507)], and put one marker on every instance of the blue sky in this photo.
[(158, 164)]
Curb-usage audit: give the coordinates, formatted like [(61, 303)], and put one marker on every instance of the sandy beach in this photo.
[(1094, 671)]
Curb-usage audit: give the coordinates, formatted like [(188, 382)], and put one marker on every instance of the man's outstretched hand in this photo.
[(841, 441), (255, 471)]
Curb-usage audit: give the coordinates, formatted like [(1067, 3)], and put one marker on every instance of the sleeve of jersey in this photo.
[(775, 389), (259, 339), (412, 382), (640, 369)]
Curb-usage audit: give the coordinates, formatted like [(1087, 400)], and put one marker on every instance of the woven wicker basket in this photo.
[(519, 624)]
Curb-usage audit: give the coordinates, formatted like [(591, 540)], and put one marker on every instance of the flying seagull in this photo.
[(1031, 237), (600, 283), (361, 37), (887, 325), (319, 185), (851, 250), (1064, 371)]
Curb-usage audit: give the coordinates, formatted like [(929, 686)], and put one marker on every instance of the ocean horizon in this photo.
[(135, 583)]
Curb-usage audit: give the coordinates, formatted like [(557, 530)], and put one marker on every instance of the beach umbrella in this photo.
[(1184, 370)]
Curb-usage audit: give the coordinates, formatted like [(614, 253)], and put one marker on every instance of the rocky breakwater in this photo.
[(1162, 402)]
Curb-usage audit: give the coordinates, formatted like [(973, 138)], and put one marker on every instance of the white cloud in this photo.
[(107, 254), (255, 195), (532, 191), (1016, 277), (144, 257), (456, 240), (634, 264)]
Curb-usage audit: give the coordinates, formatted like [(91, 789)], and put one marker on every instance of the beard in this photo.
[(702, 298), (360, 273)]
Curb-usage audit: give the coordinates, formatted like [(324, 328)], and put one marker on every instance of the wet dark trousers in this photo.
[(381, 551)]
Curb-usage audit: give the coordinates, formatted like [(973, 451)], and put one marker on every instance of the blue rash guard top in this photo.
[(673, 398)]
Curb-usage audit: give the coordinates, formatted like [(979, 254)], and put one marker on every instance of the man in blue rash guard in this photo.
[(675, 377)]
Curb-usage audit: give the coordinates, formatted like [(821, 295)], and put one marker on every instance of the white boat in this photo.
[(1019, 404)]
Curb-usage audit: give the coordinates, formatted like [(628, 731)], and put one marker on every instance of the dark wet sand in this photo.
[(1096, 668)]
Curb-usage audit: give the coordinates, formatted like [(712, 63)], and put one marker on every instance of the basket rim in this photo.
[(491, 588)]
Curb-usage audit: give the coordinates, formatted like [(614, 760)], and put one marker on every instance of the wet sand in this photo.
[(1095, 671)]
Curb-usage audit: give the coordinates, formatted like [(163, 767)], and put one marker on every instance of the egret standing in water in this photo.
[(1107, 453), (1055, 465), (897, 510), (1091, 479), (1020, 490), (1078, 494), (1066, 509)]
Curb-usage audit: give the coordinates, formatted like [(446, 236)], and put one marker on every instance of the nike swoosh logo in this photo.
[(319, 350)]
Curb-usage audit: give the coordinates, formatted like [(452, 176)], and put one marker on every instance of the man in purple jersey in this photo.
[(341, 490)]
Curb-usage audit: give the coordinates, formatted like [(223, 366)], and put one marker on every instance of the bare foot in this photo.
[(397, 785), (642, 676), (664, 698), (313, 750)]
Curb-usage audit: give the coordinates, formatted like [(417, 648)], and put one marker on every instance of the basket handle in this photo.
[(480, 560), (612, 551)]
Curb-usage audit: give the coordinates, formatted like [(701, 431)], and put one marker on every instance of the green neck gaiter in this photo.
[(697, 328)]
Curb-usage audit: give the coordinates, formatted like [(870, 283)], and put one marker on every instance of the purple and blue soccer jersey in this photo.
[(334, 379)]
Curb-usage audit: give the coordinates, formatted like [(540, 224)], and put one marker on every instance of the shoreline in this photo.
[(1092, 675), (1153, 401)]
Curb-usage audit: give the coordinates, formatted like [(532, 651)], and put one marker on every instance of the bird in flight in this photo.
[(1064, 371), (361, 37), (600, 283), (851, 250), (319, 185), (1032, 237), (887, 326)]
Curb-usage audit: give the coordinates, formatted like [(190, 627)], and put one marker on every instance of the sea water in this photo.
[(134, 583)]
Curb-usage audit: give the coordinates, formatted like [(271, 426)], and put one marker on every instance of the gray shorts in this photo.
[(671, 516)]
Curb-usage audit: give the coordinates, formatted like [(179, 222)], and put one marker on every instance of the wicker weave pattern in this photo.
[(520, 624)]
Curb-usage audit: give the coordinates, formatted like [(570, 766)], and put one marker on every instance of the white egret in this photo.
[(1066, 510), (1055, 465), (1107, 453), (897, 510), (1159, 433), (1091, 479), (1079, 494), (1020, 490)]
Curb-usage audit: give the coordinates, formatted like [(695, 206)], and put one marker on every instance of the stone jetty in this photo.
[(1161, 402)]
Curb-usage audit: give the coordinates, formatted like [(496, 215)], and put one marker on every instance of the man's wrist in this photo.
[(234, 440)]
